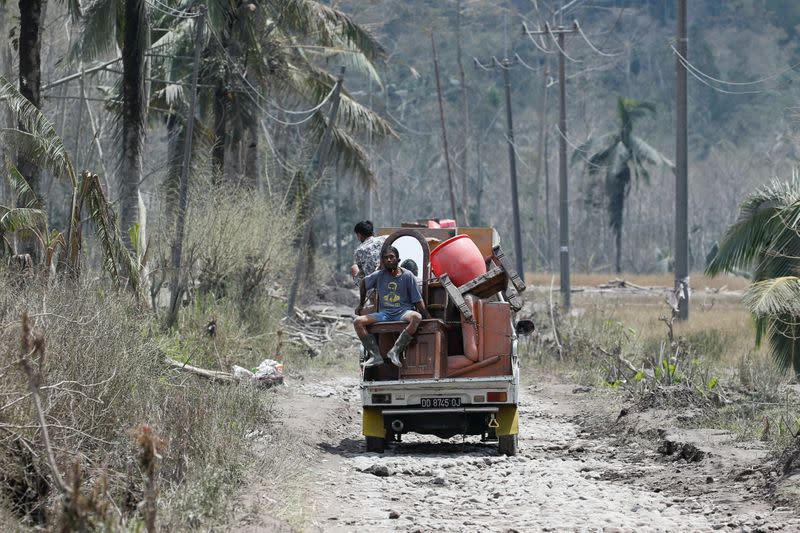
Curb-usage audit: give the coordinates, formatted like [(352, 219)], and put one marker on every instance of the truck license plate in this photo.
[(440, 402)]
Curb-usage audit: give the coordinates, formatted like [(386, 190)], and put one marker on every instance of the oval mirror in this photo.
[(410, 248)]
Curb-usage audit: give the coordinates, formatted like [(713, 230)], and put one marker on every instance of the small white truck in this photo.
[(460, 374)]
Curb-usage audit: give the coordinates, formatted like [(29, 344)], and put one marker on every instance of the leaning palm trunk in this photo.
[(133, 117)]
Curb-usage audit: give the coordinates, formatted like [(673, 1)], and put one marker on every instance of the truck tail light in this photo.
[(381, 398), (496, 396)]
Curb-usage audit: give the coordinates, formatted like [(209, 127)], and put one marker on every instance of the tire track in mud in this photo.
[(563, 478)]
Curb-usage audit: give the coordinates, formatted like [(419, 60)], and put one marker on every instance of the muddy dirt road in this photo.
[(566, 477)]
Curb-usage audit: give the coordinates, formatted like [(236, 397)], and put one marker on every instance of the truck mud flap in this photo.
[(507, 420), (372, 422)]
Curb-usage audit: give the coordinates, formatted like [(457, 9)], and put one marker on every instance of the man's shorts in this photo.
[(383, 316)]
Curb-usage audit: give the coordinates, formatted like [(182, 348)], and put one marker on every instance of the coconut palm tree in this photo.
[(258, 53), (106, 25), (765, 239), (623, 159)]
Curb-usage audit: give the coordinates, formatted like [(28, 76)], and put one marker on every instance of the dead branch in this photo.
[(618, 357), (35, 345), (213, 375)]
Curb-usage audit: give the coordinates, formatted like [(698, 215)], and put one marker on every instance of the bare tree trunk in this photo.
[(175, 139), (133, 116), (251, 166), (220, 133), (618, 241)]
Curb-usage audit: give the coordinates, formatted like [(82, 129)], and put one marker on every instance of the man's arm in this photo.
[(362, 295), (421, 309)]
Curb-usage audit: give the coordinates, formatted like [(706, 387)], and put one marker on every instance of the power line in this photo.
[(588, 42), (171, 11), (686, 62)]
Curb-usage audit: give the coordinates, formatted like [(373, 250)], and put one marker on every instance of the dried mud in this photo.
[(578, 469)]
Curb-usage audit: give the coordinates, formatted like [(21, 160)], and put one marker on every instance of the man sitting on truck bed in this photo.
[(398, 297)]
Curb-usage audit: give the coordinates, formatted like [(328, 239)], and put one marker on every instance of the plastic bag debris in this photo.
[(269, 372)]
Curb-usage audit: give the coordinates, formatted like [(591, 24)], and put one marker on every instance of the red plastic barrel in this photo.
[(460, 258)]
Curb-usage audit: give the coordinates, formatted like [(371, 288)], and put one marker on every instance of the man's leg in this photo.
[(413, 318), (369, 342), (360, 324)]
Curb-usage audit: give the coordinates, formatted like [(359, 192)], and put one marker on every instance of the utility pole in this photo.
[(465, 120), (557, 35), (444, 131), (317, 166), (505, 65), (176, 290), (681, 171)]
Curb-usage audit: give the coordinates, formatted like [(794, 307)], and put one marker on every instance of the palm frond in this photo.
[(22, 218), (618, 162), (328, 25), (37, 136), (783, 336), (642, 151), (20, 186), (762, 229), (353, 59), (314, 84), (107, 231), (344, 150), (601, 159), (774, 297), (99, 32)]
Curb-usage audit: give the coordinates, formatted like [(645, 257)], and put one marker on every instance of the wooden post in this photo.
[(465, 125), (563, 187), (444, 132), (512, 168), (681, 171)]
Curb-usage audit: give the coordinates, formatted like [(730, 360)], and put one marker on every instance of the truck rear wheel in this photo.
[(376, 444), (508, 445)]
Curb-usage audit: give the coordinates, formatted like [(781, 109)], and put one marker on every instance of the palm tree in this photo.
[(270, 49), (105, 24), (624, 159), (31, 22), (765, 240)]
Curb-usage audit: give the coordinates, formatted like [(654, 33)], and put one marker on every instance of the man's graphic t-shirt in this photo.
[(397, 294)]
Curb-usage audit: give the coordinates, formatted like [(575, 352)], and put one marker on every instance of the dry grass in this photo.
[(699, 281), (102, 379)]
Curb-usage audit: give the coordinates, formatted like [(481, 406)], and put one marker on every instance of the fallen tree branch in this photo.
[(213, 375)]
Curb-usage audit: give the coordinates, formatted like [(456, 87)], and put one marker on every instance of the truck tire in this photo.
[(376, 444), (508, 445)]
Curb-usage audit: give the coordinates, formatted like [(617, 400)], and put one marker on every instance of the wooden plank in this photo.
[(486, 284), (512, 297), (455, 295), (484, 238), (503, 262)]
